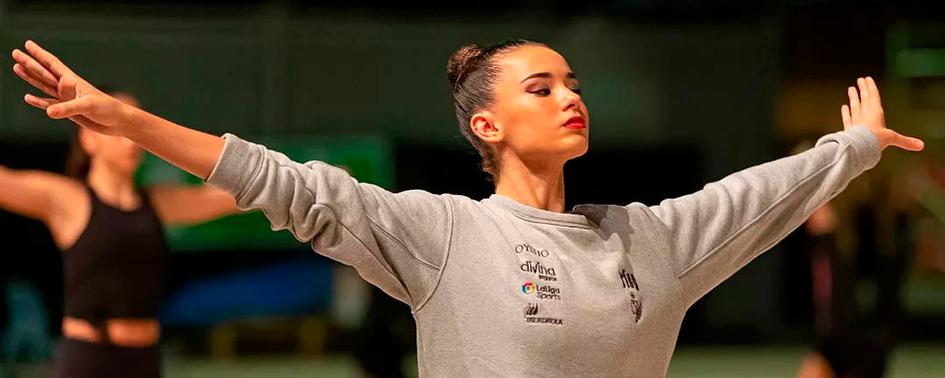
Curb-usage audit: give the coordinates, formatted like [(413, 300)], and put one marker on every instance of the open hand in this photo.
[(866, 109), (70, 96)]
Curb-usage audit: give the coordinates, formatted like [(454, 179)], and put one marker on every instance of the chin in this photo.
[(577, 149)]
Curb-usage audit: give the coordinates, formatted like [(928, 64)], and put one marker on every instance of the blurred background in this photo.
[(681, 93)]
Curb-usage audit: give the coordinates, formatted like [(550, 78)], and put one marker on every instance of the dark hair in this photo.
[(78, 162), (473, 72)]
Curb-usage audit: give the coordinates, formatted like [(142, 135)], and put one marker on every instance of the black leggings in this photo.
[(82, 359)]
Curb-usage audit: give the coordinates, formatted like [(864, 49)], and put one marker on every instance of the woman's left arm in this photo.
[(186, 205), (716, 231)]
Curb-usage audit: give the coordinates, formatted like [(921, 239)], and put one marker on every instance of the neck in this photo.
[(537, 185), (114, 188)]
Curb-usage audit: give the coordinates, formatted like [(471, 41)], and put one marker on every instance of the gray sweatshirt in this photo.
[(498, 288)]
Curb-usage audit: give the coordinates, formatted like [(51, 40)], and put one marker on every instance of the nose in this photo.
[(570, 100)]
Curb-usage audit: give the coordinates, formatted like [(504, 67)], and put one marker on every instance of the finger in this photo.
[(40, 102), (854, 102), (34, 68), (21, 72), (71, 108), (907, 143), (864, 93), (874, 90), (89, 124), (845, 115), (66, 89), (84, 122), (47, 59)]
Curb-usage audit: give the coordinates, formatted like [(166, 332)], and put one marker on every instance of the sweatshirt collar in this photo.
[(538, 215)]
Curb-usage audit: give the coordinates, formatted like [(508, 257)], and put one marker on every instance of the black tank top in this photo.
[(116, 267)]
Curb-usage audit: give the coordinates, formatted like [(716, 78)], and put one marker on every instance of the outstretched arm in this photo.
[(397, 241), (184, 205), (72, 97), (32, 193), (714, 232)]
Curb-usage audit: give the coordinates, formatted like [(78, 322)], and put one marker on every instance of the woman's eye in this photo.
[(541, 92), (576, 90)]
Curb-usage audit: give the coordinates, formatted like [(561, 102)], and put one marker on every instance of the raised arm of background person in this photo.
[(58, 201), (186, 204), (34, 194)]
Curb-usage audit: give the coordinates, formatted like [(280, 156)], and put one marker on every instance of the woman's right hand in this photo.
[(74, 98), (70, 96)]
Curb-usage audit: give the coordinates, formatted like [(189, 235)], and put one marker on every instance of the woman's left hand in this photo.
[(866, 109)]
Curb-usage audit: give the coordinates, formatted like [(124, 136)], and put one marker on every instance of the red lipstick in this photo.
[(575, 123)]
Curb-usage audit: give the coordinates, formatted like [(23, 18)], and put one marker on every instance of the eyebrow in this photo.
[(547, 75)]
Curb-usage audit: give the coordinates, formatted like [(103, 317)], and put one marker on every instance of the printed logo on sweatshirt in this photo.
[(545, 292), (531, 310), (525, 248), (629, 281), (528, 288), (543, 272)]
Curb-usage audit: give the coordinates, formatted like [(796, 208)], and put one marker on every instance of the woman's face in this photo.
[(117, 153), (538, 107)]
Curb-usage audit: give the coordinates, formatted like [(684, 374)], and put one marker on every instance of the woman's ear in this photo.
[(483, 125)]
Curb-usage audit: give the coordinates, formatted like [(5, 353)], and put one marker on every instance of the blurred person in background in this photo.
[(111, 235), (851, 338)]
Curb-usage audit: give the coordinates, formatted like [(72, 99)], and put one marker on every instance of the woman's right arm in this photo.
[(30, 193), (72, 97), (399, 242)]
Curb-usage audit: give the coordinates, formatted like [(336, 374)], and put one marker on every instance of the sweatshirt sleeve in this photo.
[(397, 242), (716, 231)]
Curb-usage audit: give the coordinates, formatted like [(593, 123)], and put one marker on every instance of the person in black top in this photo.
[(853, 340), (112, 238)]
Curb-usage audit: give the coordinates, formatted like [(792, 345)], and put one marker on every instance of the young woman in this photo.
[(511, 285), (113, 249)]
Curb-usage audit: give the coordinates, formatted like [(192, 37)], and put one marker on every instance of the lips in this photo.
[(575, 123)]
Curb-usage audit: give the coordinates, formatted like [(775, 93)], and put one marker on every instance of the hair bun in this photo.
[(461, 61)]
